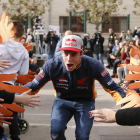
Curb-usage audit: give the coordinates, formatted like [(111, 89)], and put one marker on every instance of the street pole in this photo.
[(70, 14)]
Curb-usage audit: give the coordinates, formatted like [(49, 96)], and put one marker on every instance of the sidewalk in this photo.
[(39, 118)]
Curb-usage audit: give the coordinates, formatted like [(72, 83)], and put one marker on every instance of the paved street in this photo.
[(39, 118)]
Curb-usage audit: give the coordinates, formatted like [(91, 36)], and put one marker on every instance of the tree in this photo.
[(98, 11), (137, 5), (17, 9)]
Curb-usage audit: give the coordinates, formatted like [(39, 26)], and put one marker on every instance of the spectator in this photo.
[(109, 59), (15, 52), (98, 41), (109, 48), (51, 40), (129, 34), (88, 45), (122, 36), (126, 58), (117, 57), (59, 44), (30, 37), (112, 37), (136, 32)]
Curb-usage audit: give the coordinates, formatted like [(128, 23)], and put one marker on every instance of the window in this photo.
[(77, 24), (118, 24)]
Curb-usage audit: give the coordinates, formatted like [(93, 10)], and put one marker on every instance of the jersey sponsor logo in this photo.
[(81, 82), (82, 87), (104, 73), (62, 80), (110, 82), (71, 40)]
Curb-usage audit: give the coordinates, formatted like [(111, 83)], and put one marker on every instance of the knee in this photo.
[(57, 132), (118, 69)]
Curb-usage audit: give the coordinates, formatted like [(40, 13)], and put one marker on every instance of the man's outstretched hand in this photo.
[(6, 28), (132, 99)]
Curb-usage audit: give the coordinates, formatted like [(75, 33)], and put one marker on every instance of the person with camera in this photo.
[(136, 32), (88, 45), (51, 40), (98, 41)]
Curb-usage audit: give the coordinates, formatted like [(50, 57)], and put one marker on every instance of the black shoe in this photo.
[(108, 66)]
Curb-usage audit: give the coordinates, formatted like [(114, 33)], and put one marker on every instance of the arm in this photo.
[(55, 37), (129, 116), (41, 79), (58, 46), (23, 98), (47, 39), (108, 84), (8, 97), (134, 33), (113, 50)]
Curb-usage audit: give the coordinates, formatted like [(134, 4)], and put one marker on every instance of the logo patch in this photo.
[(81, 82), (110, 82), (40, 75), (62, 80), (71, 42), (104, 73)]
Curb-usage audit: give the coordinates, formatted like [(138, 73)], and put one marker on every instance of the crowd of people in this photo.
[(73, 71)]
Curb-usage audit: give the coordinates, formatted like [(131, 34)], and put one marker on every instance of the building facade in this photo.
[(59, 17)]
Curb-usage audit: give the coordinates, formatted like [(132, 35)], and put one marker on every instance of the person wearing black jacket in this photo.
[(51, 40), (88, 45), (98, 41), (135, 32), (129, 116)]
